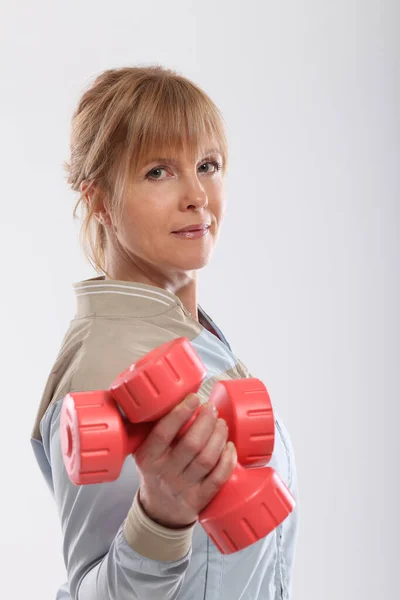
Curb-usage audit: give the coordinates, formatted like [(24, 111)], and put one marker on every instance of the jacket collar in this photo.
[(98, 296)]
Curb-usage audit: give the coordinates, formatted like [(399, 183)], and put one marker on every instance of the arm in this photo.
[(112, 550)]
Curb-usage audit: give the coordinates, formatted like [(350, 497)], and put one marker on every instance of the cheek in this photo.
[(135, 216), (131, 225), (223, 205), (220, 205), (142, 228)]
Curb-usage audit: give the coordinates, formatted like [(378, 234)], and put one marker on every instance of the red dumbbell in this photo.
[(249, 506), (96, 438)]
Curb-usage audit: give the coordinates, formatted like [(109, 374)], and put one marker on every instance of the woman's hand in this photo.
[(178, 480)]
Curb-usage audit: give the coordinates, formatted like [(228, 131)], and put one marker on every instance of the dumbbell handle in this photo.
[(136, 433)]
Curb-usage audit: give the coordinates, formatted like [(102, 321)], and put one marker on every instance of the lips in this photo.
[(200, 227)]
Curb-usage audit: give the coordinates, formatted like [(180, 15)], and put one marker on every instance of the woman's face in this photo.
[(165, 196)]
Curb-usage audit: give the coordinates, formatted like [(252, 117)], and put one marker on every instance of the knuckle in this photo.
[(139, 457), (164, 482), (173, 487), (160, 434), (206, 461), (141, 454), (222, 427), (191, 444), (216, 483)]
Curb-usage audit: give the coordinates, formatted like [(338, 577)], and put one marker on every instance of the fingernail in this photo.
[(214, 409), (192, 401), (210, 408), (232, 448)]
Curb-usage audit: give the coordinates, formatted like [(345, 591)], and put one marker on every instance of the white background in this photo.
[(304, 281)]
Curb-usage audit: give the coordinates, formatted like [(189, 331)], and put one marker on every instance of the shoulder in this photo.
[(111, 346), (96, 350), (92, 354)]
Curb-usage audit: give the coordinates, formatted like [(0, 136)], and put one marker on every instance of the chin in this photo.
[(192, 263)]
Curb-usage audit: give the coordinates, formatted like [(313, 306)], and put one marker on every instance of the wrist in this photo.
[(155, 541), (158, 519)]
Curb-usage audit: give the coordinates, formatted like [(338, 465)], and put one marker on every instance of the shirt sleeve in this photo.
[(98, 520)]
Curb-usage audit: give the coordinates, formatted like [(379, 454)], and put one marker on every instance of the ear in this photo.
[(101, 214)]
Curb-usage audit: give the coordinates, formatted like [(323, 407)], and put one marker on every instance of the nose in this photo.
[(193, 193)]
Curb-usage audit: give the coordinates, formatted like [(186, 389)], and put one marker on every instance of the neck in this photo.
[(182, 284)]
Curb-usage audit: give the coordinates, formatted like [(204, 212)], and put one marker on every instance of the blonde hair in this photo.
[(124, 116)]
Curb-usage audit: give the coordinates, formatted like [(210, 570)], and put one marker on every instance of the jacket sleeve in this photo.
[(98, 520)]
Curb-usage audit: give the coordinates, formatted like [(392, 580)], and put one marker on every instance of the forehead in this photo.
[(175, 157), (181, 150)]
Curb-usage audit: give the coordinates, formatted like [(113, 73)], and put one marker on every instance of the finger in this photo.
[(192, 442), (165, 430), (219, 475), (207, 459)]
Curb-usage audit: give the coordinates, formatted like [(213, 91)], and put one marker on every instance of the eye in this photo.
[(153, 174), (215, 163), (155, 170)]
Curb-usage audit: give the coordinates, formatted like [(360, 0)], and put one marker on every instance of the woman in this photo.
[(148, 157)]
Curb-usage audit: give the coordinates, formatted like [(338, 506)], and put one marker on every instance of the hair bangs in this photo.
[(175, 118)]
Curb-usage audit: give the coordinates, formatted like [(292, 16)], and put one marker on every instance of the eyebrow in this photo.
[(173, 161)]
